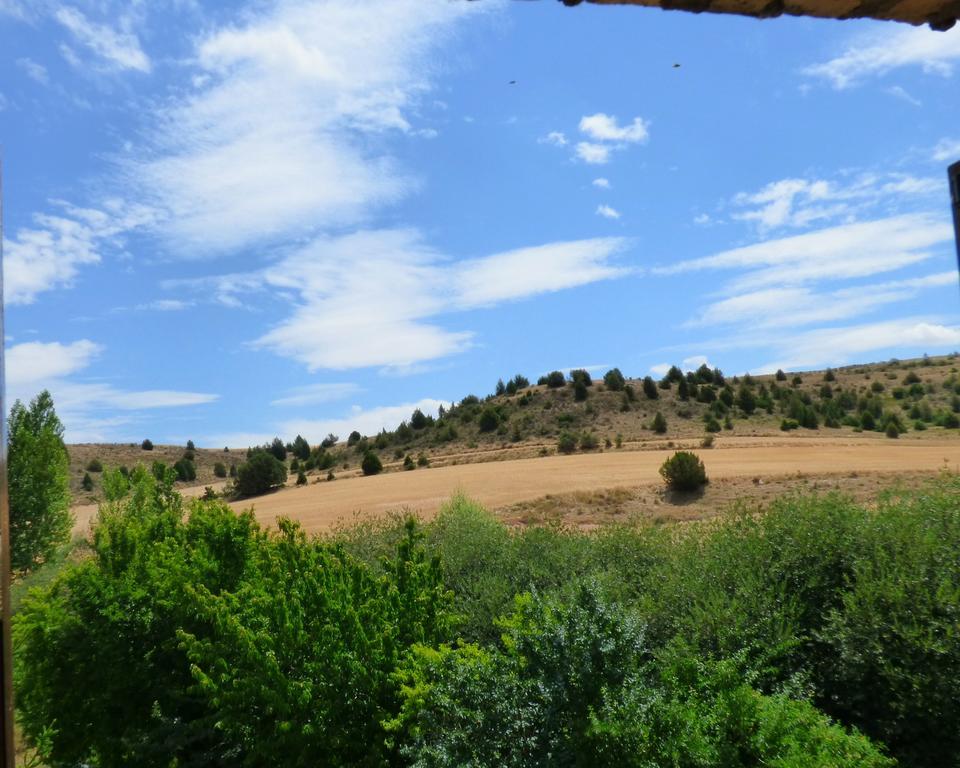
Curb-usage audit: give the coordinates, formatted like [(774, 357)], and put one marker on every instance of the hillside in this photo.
[(916, 399)]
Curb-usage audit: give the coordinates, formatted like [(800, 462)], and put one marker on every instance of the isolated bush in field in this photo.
[(87, 482), (787, 424), (892, 430), (712, 424), (94, 465), (650, 388), (588, 441), (707, 441), (684, 471), (233, 470), (567, 442), (781, 376), (422, 460), (659, 424), (829, 375), (301, 478), (489, 420), (191, 446), (500, 389), (329, 441), (371, 464), (219, 469), (39, 485), (580, 391), (614, 380), (260, 473), (796, 381), (911, 378), (408, 463), (353, 438), (146, 445)]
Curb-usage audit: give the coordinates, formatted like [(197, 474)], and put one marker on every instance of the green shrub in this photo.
[(219, 469), (650, 388), (94, 465), (614, 380), (567, 442), (146, 445), (186, 471), (87, 482), (260, 473), (787, 424), (301, 478), (408, 463), (659, 424), (422, 460), (588, 441), (581, 375), (580, 391), (371, 464), (489, 419), (684, 471), (892, 430), (555, 380)]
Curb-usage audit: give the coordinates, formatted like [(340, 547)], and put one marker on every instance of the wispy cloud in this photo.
[(607, 212), (84, 406), (799, 203), (34, 70), (50, 253), (601, 183), (592, 153), (947, 151), (904, 95), (316, 394), (896, 47), (368, 299), (118, 48), (287, 132), (556, 138), (847, 251)]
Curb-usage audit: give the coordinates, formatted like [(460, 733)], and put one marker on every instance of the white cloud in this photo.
[(32, 363), (51, 252), (660, 369), (366, 422), (34, 70), (904, 95), (798, 203), (82, 406), (846, 251), (893, 48), (288, 136), (119, 48), (367, 299), (694, 362), (556, 138), (784, 307), (601, 127), (594, 154), (947, 151), (315, 394), (838, 346), (607, 212), (601, 183), (165, 305), (704, 220)]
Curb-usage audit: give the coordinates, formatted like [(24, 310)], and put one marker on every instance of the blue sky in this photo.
[(227, 221)]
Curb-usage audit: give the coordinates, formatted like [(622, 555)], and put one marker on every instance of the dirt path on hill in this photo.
[(319, 506)]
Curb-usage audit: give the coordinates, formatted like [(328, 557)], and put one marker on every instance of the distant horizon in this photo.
[(284, 217)]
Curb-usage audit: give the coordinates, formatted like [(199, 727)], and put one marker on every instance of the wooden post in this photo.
[(953, 173), (6, 646)]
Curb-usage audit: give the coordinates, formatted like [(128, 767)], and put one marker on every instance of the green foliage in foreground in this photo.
[(39, 487), (820, 633)]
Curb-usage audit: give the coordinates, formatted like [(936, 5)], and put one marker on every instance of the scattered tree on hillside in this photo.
[(501, 388), (659, 424), (581, 374), (301, 448), (191, 446), (371, 464), (146, 445), (219, 469), (489, 420), (260, 473), (579, 390), (329, 441), (614, 380), (555, 380), (650, 388), (418, 419), (353, 439), (39, 489)]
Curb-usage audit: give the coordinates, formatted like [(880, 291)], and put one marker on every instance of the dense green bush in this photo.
[(39, 485), (219, 469), (146, 445), (186, 471), (489, 420), (567, 442), (260, 473), (684, 471), (94, 465), (650, 388), (659, 424), (555, 380), (580, 390), (371, 464), (614, 380), (581, 375)]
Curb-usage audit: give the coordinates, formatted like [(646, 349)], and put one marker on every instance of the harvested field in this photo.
[(853, 464)]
